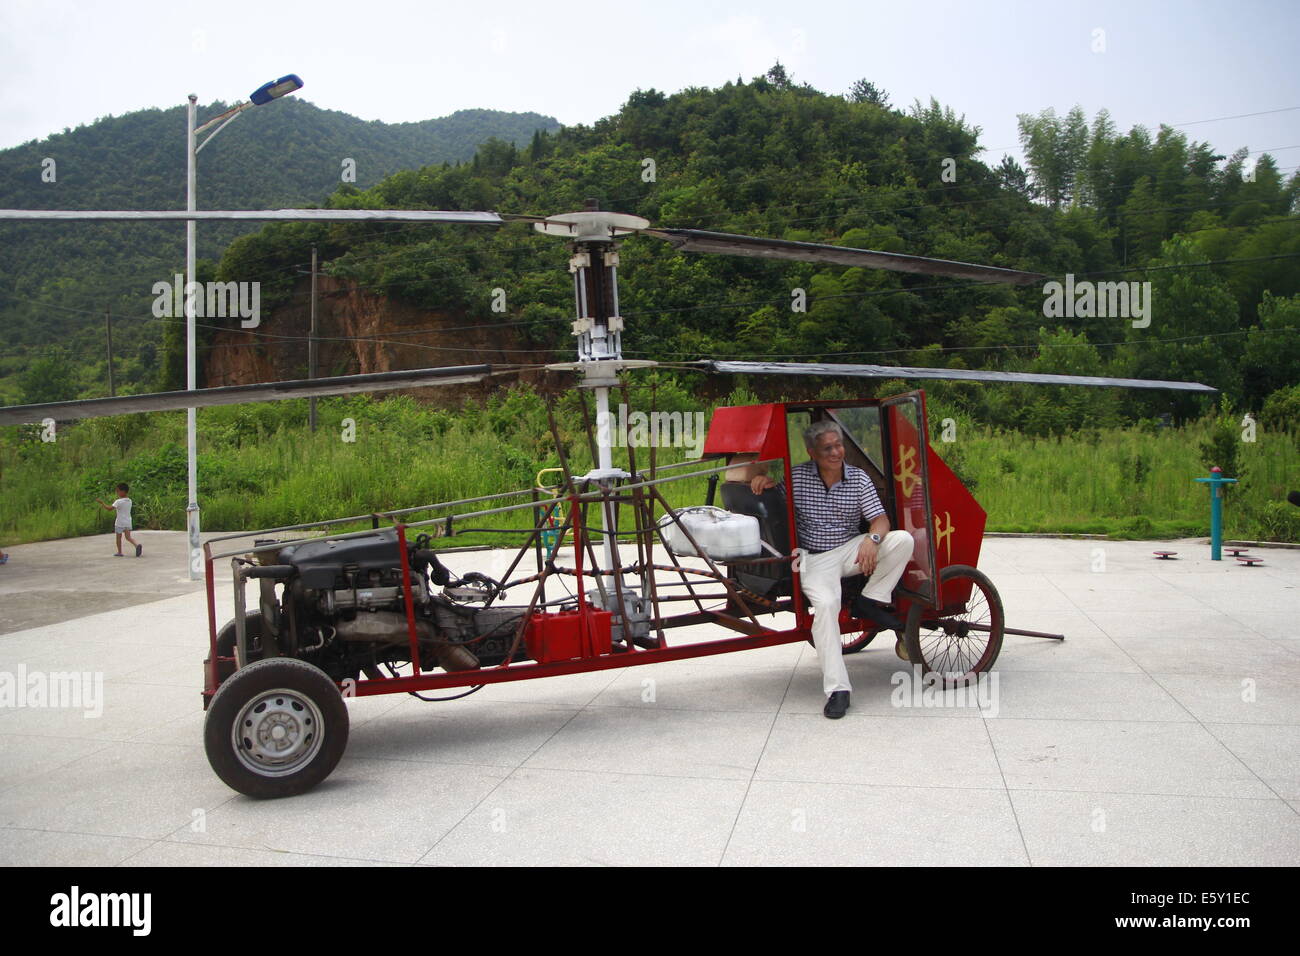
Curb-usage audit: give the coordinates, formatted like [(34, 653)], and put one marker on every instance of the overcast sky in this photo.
[(69, 62)]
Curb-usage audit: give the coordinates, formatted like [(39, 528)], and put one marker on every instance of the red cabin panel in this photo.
[(747, 429)]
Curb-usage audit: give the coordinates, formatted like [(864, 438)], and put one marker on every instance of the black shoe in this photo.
[(837, 705), (865, 609)]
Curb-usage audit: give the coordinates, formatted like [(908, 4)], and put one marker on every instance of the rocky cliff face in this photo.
[(358, 333)]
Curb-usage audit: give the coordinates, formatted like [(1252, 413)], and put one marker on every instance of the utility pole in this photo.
[(311, 343), (108, 327)]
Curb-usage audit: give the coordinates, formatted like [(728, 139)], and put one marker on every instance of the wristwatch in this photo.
[(874, 537)]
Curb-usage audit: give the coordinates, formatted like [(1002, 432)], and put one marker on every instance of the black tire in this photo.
[(853, 641), (276, 728), (959, 643), (226, 637)]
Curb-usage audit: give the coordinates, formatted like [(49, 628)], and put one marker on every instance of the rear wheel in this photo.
[(961, 641), (276, 728), (854, 641)]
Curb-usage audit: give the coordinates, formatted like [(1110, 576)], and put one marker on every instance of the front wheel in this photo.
[(961, 640), (275, 728)]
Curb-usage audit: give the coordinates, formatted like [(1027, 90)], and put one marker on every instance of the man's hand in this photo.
[(760, 484), (868, 552)]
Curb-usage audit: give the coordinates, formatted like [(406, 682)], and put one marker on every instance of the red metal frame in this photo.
[(761, 430)]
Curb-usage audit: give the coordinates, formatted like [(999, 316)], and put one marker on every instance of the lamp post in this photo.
[(263, 94)]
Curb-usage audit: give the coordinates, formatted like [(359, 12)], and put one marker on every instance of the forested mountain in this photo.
[(772, 158), (1215, 236), (57, 279)]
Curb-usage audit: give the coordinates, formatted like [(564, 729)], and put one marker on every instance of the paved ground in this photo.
[(1164, 731)]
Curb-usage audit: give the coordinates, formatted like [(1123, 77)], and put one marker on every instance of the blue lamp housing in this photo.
[(275, 89)]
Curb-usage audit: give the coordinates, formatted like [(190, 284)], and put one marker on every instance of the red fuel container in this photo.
[(560, 637)]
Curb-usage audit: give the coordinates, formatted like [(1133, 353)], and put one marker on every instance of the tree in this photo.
[(1272, 359), (1192, 317), (48, 379), (1056, 151), (864, 91), (1013, 177), (778, 77)]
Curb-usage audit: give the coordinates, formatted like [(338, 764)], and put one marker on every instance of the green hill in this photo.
[(57, 279), (772, 158)]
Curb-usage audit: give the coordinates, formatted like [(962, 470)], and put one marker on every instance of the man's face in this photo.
[(828, 450)]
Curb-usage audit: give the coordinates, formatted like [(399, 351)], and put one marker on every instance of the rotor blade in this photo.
[(695, 240), (236, 394), (293, 215), (953, 374)]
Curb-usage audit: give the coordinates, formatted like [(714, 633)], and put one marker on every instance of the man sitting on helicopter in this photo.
[(831, 498)]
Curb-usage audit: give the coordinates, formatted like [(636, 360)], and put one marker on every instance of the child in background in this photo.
[(122, 522)]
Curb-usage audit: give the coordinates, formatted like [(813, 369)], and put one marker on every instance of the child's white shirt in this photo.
[(123, 508)]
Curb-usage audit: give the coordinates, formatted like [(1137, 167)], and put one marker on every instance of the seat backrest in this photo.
[(768, 508)]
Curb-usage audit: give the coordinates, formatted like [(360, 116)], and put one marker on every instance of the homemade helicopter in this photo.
[(378, 611)]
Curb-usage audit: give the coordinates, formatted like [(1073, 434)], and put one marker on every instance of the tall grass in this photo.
[(259, 466)]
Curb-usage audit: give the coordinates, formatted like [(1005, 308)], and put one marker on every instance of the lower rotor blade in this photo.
[(292, 215), (237, 394)]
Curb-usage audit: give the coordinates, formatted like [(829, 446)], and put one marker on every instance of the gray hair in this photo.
[(820, 428)]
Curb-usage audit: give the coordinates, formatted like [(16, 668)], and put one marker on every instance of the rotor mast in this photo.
[(598, 328)]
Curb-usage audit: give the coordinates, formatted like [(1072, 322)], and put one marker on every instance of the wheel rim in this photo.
[(278, 732), (959, 645)]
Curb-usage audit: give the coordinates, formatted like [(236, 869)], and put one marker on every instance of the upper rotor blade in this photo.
[(954, 374), (292, 215), (695, 240), (235, 394)]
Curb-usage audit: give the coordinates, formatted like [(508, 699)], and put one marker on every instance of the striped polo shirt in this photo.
[(828, 517)]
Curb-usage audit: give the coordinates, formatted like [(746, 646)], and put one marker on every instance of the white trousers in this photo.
[(820, 576)]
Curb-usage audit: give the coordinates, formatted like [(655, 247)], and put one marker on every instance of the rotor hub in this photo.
[(591, 225)]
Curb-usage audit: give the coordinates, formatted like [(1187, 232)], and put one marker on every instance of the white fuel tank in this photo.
[(723, 535)]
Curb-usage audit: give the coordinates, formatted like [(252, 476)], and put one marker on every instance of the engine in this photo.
[(339, 604)]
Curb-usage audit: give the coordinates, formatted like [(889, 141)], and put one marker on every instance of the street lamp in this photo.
[(263, 94)]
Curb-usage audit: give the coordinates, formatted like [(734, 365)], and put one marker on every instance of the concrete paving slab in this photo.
[(390, 811), (1103, 829), (1120, 757), (123, 789), (26, 756), (690, 685), (169, 853), (717, 744), (1178, 720), (125, 710), (52, 848), (1229, 698), (1271, 752), (1191, 625), (916, 751), (48, 582), (1065, 695), (588, 818), (802, 824), (492, 733), (54, 655), (1211, 654)]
